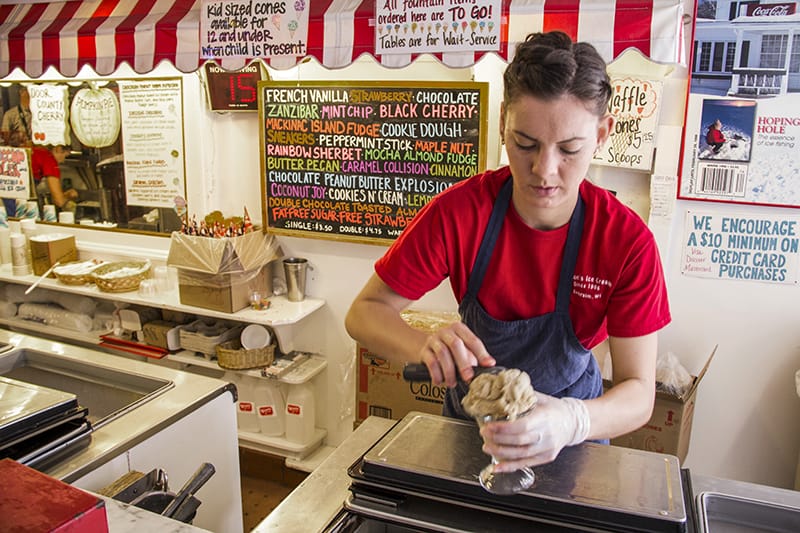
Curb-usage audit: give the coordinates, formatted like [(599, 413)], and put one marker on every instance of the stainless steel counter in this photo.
[(314, 503), (176, 429), (317, 500), (189, 392)]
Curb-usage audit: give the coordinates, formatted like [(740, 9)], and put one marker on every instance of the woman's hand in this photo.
[(538, 437), (453, 350)]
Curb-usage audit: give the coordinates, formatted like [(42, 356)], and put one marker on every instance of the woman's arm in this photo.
[(627, 405), (374, 321), (57, 194)]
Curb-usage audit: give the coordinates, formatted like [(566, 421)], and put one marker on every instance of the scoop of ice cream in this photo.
[(505, 394)]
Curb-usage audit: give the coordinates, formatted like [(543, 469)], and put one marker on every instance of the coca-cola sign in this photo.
[(770, 10)]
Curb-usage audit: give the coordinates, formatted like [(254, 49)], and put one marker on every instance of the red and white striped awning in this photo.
[(107, 33)]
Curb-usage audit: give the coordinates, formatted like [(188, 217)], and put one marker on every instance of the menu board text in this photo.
[(356, 161)]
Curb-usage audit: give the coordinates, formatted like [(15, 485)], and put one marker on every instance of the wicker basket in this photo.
[(121, 276), (231, 356), (76, 272)]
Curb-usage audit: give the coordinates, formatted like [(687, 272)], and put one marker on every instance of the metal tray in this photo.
[(106, 392), (734, 514), (24, 407), (591, 484)]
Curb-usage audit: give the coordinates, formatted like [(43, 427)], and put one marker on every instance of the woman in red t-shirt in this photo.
[(47, 174), (544, 266)]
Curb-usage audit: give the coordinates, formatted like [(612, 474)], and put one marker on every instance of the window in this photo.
[(744, 57), (739, 9), (773, 51), (794, 59), (705, 57), (730, 56), (715, 57), (719, 51)]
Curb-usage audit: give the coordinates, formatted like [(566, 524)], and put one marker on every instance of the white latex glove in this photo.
[(538, 437)]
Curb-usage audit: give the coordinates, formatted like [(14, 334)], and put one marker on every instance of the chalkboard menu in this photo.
[(357, 160)]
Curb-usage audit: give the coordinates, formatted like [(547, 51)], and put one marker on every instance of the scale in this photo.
[(423, 474)]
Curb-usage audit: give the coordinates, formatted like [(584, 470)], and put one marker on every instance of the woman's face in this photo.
[(60, 153), (550, 144)]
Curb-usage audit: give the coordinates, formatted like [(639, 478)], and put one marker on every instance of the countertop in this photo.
[(754, 491), (124, 518), (189, 392), (317, 500)]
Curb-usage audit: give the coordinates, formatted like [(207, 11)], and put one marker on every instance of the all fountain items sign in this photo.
[(430, 27)]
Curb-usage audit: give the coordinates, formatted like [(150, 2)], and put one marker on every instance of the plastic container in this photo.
[(246, 418), (27, 227), (21, 265), (5, 245), (255, 336), (270, 408), (300, 413)]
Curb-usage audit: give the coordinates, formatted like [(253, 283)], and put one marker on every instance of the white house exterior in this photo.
[(747, 49)]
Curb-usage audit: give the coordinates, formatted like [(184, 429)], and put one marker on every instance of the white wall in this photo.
[(746, 421)]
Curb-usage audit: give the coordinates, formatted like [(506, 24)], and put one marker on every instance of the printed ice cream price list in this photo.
[(357, 160)]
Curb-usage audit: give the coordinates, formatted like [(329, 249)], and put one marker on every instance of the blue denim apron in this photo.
[(545, 346)]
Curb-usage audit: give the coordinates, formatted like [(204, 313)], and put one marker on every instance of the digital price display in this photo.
[(233, 90)]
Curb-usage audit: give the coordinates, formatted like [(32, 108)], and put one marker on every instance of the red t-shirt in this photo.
[(618, 286), (715, 136), (43, 163)]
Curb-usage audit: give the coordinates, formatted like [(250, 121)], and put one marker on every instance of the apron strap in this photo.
[(489, 238), (24, 121), (571, 248)]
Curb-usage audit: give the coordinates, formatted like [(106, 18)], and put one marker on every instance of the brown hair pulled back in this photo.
[(549, 65)]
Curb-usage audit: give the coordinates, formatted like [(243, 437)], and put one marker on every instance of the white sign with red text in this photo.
[(15, 173), (635, 105), (49, 113)]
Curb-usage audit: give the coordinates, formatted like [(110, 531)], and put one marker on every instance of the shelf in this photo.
[(281, 311), (89, 337), (300, 374), (312, 461), (281, 446)]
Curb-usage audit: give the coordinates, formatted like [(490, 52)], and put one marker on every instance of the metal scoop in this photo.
[(418, 372)]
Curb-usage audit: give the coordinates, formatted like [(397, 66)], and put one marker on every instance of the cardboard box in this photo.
[(381, 389), (32, 501), (228, 255), (219, 274), (48, 248), (670, 427), (227, 293)]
